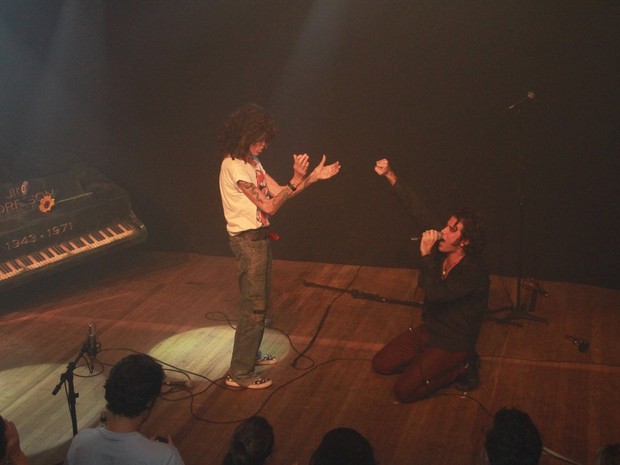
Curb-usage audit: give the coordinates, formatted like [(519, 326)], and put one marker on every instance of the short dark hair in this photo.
[(133, 385), (514, 439), (343, 446), (251, 443), (608, 454), (246, 126), (473, 230)]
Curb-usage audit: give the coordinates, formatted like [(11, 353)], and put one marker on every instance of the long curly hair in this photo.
[(133, 385), (246, 126), (251, 443), (473, 230)]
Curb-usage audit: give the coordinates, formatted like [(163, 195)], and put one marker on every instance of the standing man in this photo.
[(455, 282), (249, 197)]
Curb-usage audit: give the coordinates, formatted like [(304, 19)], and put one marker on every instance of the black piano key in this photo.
[(79, 243), (47, 253), (25, 261), (64, 248)]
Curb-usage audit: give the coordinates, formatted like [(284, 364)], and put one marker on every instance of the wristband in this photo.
[(290, 186)]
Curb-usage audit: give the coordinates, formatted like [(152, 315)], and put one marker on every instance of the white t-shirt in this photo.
[(240, 213), (100, 446)]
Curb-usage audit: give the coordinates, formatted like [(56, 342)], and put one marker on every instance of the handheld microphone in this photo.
[(417, 238), (528, 98), (91, 341), (178, 383)]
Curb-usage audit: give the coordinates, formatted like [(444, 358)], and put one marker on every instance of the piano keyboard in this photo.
[(72, 248)]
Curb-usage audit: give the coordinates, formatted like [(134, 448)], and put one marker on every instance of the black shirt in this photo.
[(454, 307)]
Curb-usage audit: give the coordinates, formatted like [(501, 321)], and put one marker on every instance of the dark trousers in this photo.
[(423, 370)]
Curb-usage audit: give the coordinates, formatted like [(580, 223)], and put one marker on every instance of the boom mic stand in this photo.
[(67, 377), (518, 311)]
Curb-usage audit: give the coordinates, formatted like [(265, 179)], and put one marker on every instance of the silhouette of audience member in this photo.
[(608, 454), (343, 446), (130, 391), (514, 439), (10, 449), (251, 443)]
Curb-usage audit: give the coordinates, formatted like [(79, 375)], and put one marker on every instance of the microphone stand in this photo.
[(357, 294), (67, 377), (518, 311)]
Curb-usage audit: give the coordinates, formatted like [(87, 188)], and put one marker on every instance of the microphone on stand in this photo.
[(91, 341), (528, 98)]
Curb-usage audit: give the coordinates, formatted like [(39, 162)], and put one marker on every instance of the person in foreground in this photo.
[(608, 454), (513, 440), (343, 446), (249, 197), (251, 443), (130, 392), (10, 449), (455, 281)]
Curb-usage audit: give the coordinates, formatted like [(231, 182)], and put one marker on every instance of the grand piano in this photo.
[(53, 222)]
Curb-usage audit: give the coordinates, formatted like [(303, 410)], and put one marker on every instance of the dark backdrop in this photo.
[(139, 89)]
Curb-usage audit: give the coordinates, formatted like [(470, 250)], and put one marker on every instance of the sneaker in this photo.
[(256, 383), (469, 380), (266, 359)]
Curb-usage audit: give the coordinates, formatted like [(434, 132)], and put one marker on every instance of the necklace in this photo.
[(444, 271)]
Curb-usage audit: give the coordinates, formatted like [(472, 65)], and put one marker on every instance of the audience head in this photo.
[(513, 440), (10, 449), (343, 446), (133, 385), (2, 438), (251, 443), (608, 454)]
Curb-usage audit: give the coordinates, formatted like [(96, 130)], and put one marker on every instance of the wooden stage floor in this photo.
[(177, 307)]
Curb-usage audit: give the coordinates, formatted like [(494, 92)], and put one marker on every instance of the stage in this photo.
[(180, 308)]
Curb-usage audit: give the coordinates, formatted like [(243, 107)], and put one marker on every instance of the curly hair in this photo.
[(473, 230), (514, 439), (133, 385), (251, 443), (246, 126)]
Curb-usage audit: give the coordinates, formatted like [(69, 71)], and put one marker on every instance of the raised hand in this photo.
[(300, 166), (382, 167), (323, 171)]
